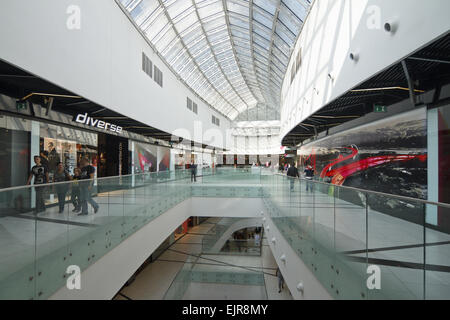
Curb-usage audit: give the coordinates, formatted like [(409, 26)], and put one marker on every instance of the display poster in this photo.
[(164, 160), (146, 158), (388, 156)]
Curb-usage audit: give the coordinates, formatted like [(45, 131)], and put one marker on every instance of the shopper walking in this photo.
[(280, 280), (309, 176), (87, 173), (292, 173), (75, 196), (40, 174), (61, 175)]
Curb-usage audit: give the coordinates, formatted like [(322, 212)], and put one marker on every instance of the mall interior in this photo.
[(224, 150)]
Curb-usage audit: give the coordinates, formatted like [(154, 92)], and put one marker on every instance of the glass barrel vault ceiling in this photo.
[(232, 53)]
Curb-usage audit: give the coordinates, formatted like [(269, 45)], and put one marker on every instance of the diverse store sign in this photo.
[(85, 119)]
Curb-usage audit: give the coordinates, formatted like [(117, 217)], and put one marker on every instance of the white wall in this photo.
[(102, 61), (254, 145), (335, 28), (227, 207), (294, 270)]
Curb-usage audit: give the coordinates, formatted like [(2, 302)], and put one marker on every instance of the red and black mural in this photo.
[(388, 156), (444, 164), (164, 163), (146, 156)]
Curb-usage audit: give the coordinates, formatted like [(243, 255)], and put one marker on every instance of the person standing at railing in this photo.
[(309, 176), (87, 173), (257, 239), (292, 174), (75, 197), (61, 175), (40, 173), (238, 239), (193, 172)]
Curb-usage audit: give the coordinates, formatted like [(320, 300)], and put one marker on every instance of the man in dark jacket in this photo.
[(87, 174), (193, 171), (309, 176), (292, 173), (40, 174)]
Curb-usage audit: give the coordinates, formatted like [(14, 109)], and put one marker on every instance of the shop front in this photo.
[(113, 155), (21, 139)]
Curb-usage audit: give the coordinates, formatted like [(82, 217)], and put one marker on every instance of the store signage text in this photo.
[(85, 119)]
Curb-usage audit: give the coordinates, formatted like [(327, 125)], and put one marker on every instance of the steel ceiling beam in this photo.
[(233, 47), (409, 79), (429, 60)]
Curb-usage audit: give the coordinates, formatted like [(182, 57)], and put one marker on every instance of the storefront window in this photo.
[(14, 151), (66, 145)]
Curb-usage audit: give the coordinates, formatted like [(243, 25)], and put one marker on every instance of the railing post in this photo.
[(300, 198), (366, 196), (334, 216), (424, 251)]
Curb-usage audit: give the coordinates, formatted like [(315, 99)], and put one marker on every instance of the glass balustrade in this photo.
[(40, 239), (344, 235), (212, 281), (351, 238)]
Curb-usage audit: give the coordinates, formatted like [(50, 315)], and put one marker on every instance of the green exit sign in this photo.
[(379, 108)]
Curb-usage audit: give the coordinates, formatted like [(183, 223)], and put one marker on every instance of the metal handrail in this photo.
[(404, 198), (49, 184)]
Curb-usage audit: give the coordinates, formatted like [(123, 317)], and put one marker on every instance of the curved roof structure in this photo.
[(232, 53)]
